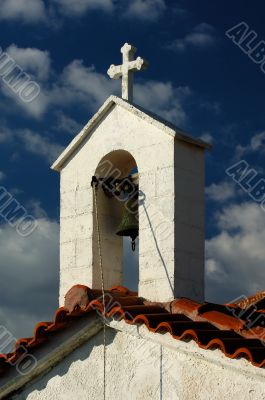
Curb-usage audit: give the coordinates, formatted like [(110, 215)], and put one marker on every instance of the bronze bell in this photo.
[(129, 225)]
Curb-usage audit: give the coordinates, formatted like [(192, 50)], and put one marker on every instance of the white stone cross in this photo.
[(127, 69)]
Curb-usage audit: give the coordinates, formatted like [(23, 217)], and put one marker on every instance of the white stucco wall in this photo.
[(167, 169), (189, 221), (144, 366)]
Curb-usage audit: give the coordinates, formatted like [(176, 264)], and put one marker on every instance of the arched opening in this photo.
[(120, 264)]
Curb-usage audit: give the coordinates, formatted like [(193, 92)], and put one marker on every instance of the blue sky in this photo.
[(198, 79)]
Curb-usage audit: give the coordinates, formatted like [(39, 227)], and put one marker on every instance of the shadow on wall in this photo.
[(82, 354)]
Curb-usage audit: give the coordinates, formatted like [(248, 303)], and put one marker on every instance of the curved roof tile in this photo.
[(236, 330)]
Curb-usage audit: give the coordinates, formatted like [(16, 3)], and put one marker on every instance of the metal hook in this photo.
[(94, 181)]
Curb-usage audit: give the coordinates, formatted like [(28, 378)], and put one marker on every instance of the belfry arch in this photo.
[(116, 165)]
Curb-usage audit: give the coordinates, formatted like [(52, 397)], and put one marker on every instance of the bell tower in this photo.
[(119, 138)]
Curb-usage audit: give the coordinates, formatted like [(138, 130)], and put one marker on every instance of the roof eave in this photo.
[(65, 343)]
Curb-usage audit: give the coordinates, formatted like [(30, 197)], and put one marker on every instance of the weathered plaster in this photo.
[(141, 365)]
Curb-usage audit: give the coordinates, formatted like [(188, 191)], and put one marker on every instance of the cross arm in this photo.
[(114, 71), (138, 64)]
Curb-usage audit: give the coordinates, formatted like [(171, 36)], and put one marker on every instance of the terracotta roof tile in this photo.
[(187, 307), (258, 299), (237, 331), (223, 321)]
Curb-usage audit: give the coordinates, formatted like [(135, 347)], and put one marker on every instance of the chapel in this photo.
[(132, 177)]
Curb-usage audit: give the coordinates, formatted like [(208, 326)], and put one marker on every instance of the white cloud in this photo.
[(83, 86), (35, 11), (145, 9), (86, 85), (5, 134), (31, 60), (164, 99), (202, 36), (67, 124), (35, 208), (27, 11), (77, 85), (140, 9), (32, 142), (257, 144), (35, 108), (79, 7), (207, 137), (235, 256), (221, 192), (40, 145), (247, 216), (37, 64), (35, 261)]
